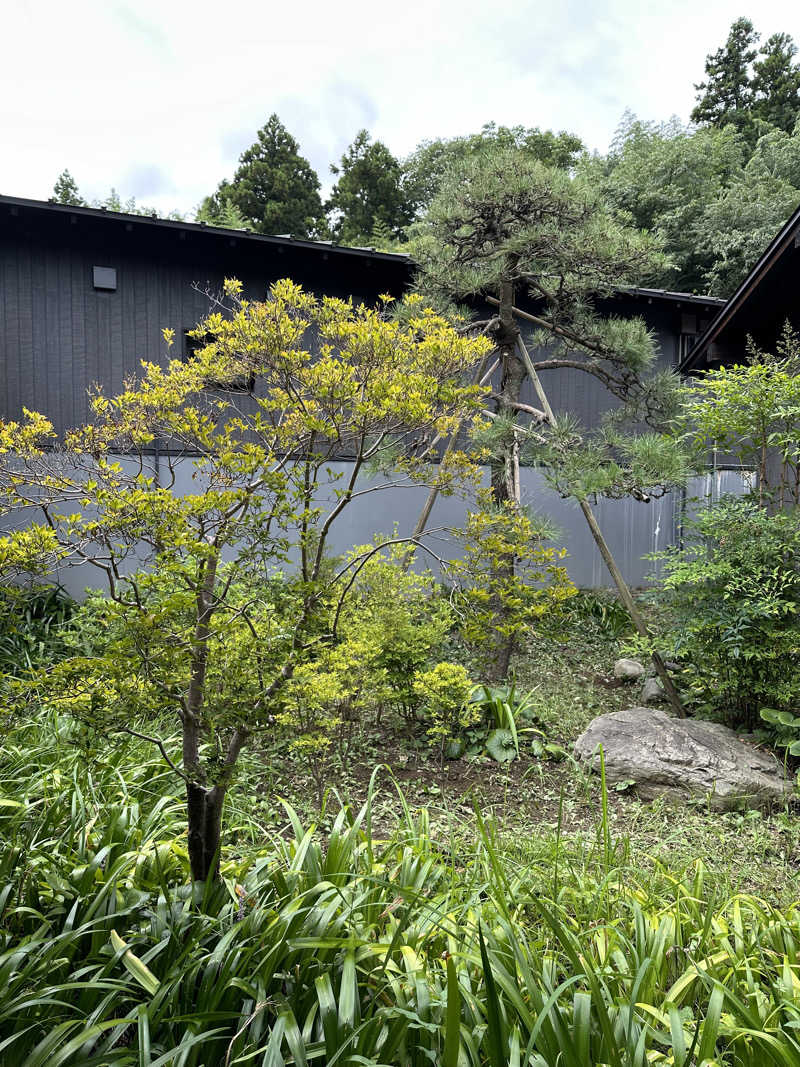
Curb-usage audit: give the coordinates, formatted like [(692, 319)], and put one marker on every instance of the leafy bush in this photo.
[(753, 412), (510, 584), (735, 597), (443, 692), (407, 621)]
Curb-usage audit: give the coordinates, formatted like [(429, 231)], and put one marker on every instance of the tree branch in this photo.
[(159, 745)]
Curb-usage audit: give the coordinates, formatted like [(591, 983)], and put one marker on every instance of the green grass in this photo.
[(412, 942)]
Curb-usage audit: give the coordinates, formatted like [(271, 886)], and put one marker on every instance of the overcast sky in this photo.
[(158, 99)]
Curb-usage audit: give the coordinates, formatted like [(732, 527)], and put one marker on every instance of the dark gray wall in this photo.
[(59, 335)]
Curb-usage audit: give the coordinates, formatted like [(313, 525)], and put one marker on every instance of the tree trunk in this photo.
[(505, 468), (205, 829)]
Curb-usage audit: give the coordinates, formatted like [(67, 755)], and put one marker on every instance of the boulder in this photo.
[(629, 670), (671, 666), (653, 691), (683, 758)]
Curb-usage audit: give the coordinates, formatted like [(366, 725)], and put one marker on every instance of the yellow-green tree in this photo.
[(195, 631)]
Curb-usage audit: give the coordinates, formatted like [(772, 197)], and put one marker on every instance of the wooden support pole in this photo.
[(608, 558)]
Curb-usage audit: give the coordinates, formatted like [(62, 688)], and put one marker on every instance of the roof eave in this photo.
[(200, 228)]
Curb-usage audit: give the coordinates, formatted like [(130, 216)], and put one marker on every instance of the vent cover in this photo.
[(104, 277)]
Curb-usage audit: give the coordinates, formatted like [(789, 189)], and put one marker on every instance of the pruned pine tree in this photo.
[(187, 574), (505, 226), (424, 169)]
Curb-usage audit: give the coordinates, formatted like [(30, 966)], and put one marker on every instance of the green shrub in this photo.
[(753, 412), (509, 584), (443, 692), (735, 595), (402, 615)]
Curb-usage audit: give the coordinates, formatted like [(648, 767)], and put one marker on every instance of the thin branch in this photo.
[(159, 745)]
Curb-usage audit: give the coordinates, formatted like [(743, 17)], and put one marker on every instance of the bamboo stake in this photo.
[(608, 558)]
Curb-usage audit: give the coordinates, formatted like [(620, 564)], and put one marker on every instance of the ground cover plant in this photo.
[(33, 627), (408, 945)]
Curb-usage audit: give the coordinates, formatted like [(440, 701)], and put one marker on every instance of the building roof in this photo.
[(15, 203), (679, 298), (249, 237), (780, 249), (142, 223)]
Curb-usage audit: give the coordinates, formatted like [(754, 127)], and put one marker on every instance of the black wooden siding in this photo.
[(59, 335)]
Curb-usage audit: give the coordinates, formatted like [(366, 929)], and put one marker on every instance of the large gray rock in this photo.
[(629, 670), (682, 758), (653, 692)]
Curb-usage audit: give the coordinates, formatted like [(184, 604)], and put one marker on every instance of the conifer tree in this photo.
[(727, 94), (275, 189), (747, 86), (221, 211), (503, 226), (65, 191), (776, 83), (368, 192)]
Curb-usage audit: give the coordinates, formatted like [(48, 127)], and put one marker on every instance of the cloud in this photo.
[(160, 99), (326, 125), (146, 30), (147, 180)]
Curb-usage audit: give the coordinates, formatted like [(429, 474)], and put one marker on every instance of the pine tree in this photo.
[(368, 192), (727, 94), (504, 225), (65, 191), (776, 83), (425, 168), (275, 189)]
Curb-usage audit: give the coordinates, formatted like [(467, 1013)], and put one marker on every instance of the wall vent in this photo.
[(104, 277)]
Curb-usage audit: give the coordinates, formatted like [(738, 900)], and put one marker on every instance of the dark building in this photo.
[(767, 299), (86, 293)]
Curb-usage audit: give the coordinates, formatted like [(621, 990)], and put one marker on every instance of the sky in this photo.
[(158, 99)]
